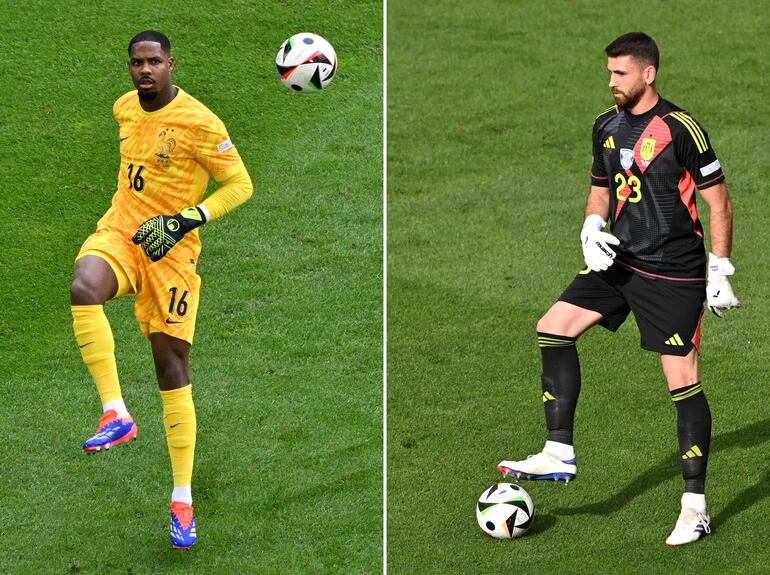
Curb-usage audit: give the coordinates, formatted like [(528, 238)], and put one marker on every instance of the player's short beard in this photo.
[(632, 99), (147, 96)]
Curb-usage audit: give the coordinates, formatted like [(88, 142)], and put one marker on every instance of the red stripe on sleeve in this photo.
[(686, 187)]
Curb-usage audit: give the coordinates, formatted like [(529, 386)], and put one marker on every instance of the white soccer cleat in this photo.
[(541, 466), (691, 526)]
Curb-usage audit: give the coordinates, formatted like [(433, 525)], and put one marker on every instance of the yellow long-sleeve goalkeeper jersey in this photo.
[(166, 160)]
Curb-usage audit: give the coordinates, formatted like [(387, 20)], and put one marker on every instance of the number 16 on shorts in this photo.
[(178, 306)]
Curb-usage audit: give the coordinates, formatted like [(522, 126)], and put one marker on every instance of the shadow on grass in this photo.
[(668, 468), (542, 522), (746, 498)]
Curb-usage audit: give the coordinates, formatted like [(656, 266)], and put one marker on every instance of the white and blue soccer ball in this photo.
[(306, 62), (505, 511)]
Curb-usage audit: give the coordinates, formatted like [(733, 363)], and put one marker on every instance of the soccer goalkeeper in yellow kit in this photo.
[(147, 245)]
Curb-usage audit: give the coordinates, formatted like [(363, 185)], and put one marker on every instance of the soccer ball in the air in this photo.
[(306, 62), (505, 511)]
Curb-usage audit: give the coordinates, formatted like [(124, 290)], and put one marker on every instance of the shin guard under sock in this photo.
[(560, 384), (694, 430)]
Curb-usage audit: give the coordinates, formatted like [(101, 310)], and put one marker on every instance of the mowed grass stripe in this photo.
[(286, 366), (490, 109)]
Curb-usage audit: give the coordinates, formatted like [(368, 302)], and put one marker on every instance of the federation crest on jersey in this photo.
[(626, 158), (647, 152), (166, 144)]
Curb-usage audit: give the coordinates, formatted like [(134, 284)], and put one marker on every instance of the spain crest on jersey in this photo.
[(647, 152)]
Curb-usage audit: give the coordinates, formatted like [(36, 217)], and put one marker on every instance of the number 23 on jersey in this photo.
[(628, 189)]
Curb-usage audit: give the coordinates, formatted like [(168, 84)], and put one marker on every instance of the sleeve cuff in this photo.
[(204, 210)]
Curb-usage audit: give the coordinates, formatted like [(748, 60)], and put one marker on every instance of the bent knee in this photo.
[(172, 375), (553, 324), (544, 325), (84, 292), (567, 320)]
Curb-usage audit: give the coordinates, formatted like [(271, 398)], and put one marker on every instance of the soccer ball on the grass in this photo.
[(505, 511), (306, 62)]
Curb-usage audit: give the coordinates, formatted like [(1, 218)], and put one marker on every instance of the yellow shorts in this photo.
[(167, 291)]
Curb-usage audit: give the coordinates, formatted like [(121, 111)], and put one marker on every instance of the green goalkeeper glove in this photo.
[(161, 233)]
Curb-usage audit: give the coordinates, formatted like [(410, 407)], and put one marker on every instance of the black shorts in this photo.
[(668, 312)]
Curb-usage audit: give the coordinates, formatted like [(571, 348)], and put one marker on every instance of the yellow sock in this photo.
[(179, 421), (94, 336)]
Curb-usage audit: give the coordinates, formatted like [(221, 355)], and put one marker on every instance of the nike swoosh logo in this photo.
[(173, 426), (172, 321), (126, 138), (85, 344)]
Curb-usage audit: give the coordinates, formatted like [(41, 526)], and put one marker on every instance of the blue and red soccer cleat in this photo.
[(182, 525), (111, 431)]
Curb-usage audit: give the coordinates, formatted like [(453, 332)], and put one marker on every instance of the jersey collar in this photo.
[(170, 106)]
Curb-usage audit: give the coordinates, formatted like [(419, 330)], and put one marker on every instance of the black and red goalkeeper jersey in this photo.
[(652, 164)]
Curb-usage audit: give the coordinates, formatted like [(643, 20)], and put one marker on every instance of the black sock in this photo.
[(694, 430), (560, 384)]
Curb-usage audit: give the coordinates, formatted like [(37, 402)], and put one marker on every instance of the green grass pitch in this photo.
[(287, 361), (490, 109)]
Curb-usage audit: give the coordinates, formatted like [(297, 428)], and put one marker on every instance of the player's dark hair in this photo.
[(151, 36), (636, 44)]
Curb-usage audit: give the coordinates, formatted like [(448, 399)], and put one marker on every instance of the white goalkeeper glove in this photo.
[(596, 244), (719, 293)]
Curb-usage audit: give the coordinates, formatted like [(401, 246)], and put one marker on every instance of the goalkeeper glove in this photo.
[(596, 250), (161, 233), (719, 293)]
